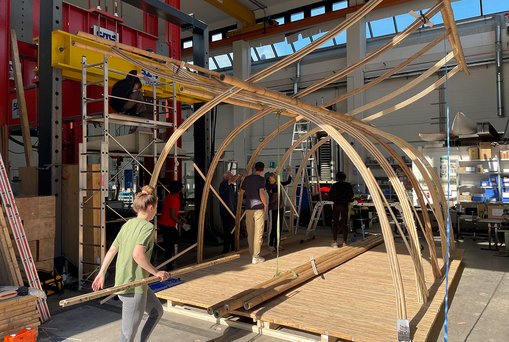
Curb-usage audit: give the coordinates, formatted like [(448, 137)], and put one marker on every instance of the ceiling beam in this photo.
[(235, 10)]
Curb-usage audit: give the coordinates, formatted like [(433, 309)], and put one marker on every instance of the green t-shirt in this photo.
[(134, 232)]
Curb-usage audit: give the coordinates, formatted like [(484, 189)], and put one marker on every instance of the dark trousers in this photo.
[(340, 225), (273, 231), (170, 239), (228, 224)]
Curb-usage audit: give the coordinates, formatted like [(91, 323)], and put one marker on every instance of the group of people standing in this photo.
[(134, 243)]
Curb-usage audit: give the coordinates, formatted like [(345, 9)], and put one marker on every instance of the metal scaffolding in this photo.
[(102, 139)]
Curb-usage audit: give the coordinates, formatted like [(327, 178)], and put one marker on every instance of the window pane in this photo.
[(494, 6), (297, 16), (217, 36), (382, 27), (466, 9), (317, 11), (187, 44), (327, 43), (437, 19), (265, 52), (254, 57), (403, 21), (280, 20), (301, 42), (339, 5), (212, 64), (283, 48), (340, 38), (223, 61)]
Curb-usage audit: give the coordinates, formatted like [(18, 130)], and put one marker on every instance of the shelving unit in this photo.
[(483, 181), (383, 180)]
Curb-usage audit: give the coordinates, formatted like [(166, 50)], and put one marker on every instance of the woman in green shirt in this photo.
[(134, 244)]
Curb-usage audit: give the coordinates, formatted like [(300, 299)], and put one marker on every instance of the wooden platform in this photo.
[(354, 301)]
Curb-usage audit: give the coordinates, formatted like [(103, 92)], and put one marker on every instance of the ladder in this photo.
[(315, 217), (299, 129), (11, 210)]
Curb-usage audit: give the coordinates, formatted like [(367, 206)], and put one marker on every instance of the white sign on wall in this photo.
[(106, 34), (15, 109)]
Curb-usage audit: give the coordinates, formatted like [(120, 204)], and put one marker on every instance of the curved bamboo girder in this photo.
[(294, 57), (406, 87), (210, 174), (454, 39), (426, 227), (394, 41), (324, 121), (430, 177), (422, 291), (414, 98), (386, 75)]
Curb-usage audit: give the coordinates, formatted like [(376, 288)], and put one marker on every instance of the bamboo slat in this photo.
[(90, 296)]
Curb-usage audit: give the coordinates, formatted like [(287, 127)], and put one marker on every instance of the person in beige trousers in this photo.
[(255, 204)]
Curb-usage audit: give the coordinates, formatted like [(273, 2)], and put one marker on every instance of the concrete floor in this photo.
[(479, 311)]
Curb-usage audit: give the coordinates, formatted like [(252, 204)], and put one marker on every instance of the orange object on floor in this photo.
[(24, 335)]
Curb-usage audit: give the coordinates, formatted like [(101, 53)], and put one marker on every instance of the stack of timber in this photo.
[(17, 313), (9, 268), (38, 216)]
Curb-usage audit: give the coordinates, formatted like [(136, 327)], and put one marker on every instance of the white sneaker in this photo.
[(257, 260), (334, 244)]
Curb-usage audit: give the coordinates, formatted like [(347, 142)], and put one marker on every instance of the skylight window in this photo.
[(382, 27), (327, 43), (280, 20), (212, 64), (187, 44), (494, 6), (317, 11), (217, 36), (301, 42), (265, 52), (297, 16), (339, 5), (403, 21), (254, 56), (340, 38), (223, 61), (466, 9), (283, 48)]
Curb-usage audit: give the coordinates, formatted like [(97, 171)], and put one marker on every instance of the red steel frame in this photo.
[(74, 19)]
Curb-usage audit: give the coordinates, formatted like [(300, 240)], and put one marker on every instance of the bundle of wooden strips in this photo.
[(17, 313)]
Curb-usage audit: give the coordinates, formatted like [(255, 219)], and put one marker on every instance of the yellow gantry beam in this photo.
[(236, 10), (68, 50)]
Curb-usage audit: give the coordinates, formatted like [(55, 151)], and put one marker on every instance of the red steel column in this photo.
[(5, 51)]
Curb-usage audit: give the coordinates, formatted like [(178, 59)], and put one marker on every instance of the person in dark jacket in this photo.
[(228, 194), (341, 193), (276, 207), (128, 89)]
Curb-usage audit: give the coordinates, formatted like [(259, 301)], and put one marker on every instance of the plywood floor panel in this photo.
[(354, 301)]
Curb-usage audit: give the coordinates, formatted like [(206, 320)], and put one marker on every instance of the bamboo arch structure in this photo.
[(216, 88)]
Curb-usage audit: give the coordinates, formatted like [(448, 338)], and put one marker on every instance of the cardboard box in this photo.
[(485, 150), (473, 152), (496, 210), (504, 154)]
